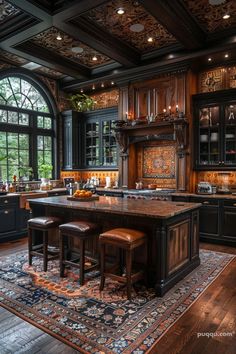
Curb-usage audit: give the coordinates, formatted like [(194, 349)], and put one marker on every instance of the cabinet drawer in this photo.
[(8, 219), (230, 203), (205, 201), (8, 200)]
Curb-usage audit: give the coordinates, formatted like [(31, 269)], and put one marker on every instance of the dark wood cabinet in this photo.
[(215, 130), (89, 139), (229, 220), (71, 140)]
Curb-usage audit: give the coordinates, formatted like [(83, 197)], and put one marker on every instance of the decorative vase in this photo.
[(45, 184)]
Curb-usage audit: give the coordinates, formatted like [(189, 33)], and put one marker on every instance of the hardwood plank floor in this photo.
[(213, 312)]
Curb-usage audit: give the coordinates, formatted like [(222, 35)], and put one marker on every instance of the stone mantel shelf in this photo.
[(174, 129)]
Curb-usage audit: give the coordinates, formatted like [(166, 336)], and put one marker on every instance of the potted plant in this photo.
[(25, 172), (82, 102), (45, 173)]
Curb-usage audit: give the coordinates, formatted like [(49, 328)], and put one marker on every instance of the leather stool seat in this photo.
[(124, 239), (43, 224), (84, 231)]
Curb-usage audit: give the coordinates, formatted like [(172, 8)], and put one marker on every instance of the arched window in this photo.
[(26, 128)]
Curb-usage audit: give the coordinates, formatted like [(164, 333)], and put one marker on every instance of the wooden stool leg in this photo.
[(128, 273), (45, 251), (30, 245), (82, 259), (62, 254), (102, 266)]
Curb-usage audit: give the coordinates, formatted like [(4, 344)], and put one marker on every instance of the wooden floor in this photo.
[(213, 312)]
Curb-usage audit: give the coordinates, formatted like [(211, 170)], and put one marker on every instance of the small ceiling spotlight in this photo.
[(112, 83), (59, 37), (150, 39), (93, 87), (226, 55), (209, 59), (120, 11), (226, 17), (81, 90), (102, 84), (94, 58)]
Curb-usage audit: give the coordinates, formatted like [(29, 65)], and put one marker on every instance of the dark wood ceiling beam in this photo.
[(87, 32), (78, 8), (176, 19), (52, 60), (32, 9)]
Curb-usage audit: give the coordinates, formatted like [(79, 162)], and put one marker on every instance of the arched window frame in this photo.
[(32, 129)]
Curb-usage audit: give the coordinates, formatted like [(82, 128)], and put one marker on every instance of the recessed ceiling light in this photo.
[(93, 87), (81, 90), (112, 83), (94, 58), (226, 55), (59, 37), (102, 84), (150, 39), (226, 16), (209, 59), (77, 50), (137, 27), (120, 11)]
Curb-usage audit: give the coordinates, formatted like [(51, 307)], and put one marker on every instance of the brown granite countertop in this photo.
[(146, 208), (212, 196)]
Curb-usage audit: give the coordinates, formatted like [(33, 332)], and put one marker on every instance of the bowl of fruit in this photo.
[(83, 195)]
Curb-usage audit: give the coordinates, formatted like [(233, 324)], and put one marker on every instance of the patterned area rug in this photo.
[(94, 322)]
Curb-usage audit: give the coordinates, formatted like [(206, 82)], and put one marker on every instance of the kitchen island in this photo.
[(171, 227)]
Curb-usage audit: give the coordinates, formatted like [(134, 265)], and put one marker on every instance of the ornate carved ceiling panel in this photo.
[(65, 47), (51, 73), (210, 16), (7, 11), (120, 26), (14, 59)]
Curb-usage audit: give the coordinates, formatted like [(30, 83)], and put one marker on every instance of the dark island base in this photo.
[(173, 242)]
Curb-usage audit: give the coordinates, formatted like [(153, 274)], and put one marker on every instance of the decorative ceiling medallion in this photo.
[(137, 27), (7, 10), (66, 48), (209, 16), (125, 27)]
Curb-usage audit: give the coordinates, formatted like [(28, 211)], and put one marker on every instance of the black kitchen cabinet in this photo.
[(12, 224), (71, 140), (89, 140), (217, 218), (100, 148), (215, 130)]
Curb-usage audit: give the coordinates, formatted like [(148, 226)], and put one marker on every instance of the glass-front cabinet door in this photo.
[(209, 136), (92, 144), (229, 157), (215, 130), (109, 147)]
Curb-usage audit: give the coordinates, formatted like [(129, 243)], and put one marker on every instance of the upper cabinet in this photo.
[(89, 139), (215, 130)]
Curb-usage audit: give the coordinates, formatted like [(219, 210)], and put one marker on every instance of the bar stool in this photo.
[(84, 231), (43, 224), (127, 240)]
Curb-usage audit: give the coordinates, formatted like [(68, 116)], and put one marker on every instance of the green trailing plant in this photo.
[(25, 171), (81, 102), (45, 171)]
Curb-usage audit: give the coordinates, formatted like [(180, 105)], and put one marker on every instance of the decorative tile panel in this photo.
[(106, 99), (159, 161), (47, 39), (119, 25)]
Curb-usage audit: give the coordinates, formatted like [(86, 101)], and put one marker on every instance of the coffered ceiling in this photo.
[(85, 42)]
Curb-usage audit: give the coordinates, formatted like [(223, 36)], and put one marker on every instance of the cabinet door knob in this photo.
[(6, 212), (6, 201), (205, 203)]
